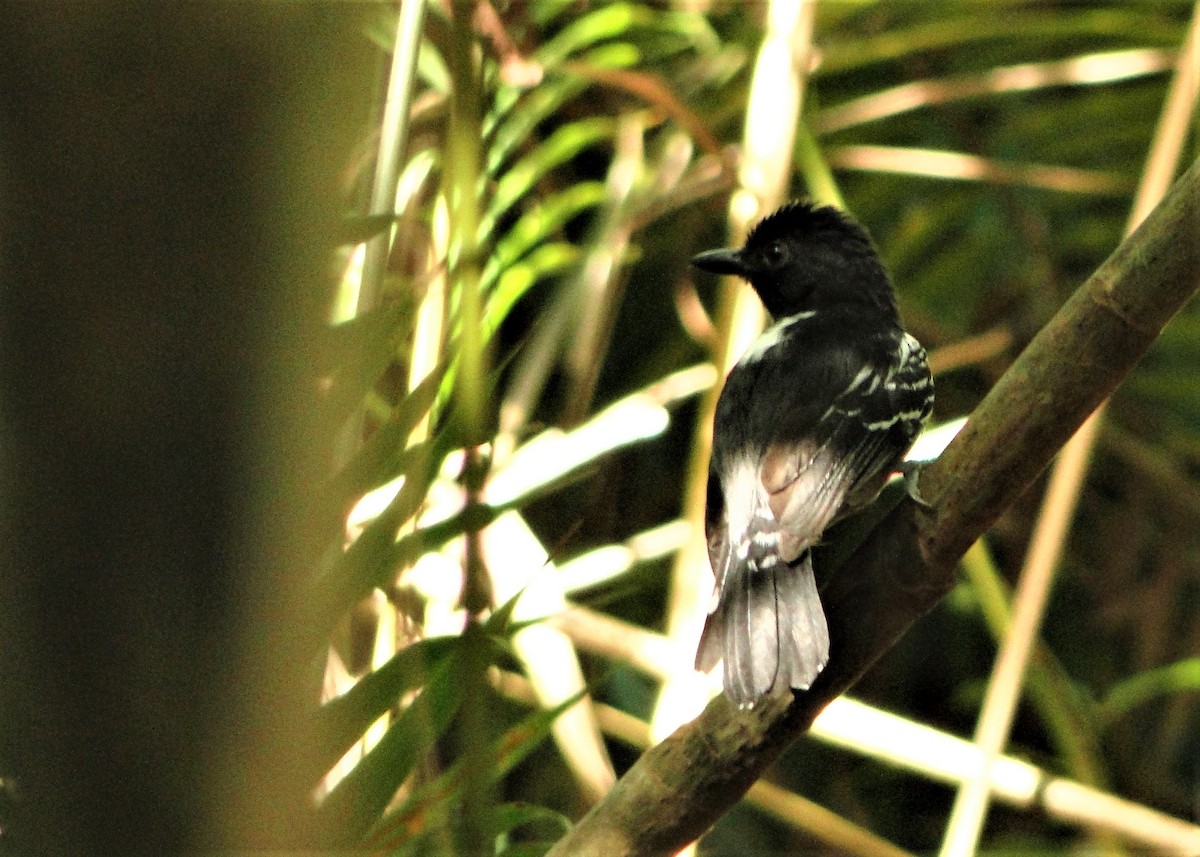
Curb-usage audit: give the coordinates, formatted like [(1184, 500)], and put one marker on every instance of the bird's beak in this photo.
[(727, 261)]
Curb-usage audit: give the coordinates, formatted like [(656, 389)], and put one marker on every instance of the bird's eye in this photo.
[(774, 253)]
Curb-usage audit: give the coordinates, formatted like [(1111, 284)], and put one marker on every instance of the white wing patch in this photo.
[(771, 337)]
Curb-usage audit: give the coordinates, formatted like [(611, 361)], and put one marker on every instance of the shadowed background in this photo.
[(168, 178)]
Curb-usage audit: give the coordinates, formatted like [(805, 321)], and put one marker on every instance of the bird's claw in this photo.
[(911, 471)]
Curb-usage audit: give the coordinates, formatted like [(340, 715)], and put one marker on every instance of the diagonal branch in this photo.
[(678, 789)]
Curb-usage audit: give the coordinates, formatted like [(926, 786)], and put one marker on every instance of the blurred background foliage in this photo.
[(563, 161)]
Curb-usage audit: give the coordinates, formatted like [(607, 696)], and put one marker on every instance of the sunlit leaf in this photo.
[(1180, 677), (559, 147), (386, 453), (359, 799), (540, 222), (372, 558), (344, 719), (431, 68), (432, 804), (547, 260), (358, 352)]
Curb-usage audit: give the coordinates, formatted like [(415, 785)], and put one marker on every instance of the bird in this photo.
[(812, 420)]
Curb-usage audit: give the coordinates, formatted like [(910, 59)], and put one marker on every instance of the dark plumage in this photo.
[(813, 418)]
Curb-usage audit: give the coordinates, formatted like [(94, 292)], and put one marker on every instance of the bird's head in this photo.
[(807, 257)]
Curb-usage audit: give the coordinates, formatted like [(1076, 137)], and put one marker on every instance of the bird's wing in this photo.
[(910, 387), (716, 528), (810, 475)]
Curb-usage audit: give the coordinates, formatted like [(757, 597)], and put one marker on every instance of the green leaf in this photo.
[(983, 24), (608, 22), (528, 849), (540, 222), (518, 112), (356, 354), (631, 23), (546, 11), (564, 144), (386, 455), (1123, 697), (512, 816), (434, 802), (545, 261), (358, 800), (498, 624), (344, 720), (380, 28)]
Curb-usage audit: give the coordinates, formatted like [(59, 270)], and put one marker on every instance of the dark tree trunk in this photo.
[(167, 183)]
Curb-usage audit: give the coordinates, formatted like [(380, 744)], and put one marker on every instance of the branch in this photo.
[(678, 789)]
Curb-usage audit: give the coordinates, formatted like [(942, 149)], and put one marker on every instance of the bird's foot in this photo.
[(911, 471)]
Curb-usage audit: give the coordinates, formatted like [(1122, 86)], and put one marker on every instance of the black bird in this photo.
[(812, 420)]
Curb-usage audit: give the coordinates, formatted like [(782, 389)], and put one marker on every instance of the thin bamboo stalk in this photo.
[(393, 140), (1068, 720), (960, 166), (461, 189), (520, 565), (1033, 590), (1087, 70), (388, 163)]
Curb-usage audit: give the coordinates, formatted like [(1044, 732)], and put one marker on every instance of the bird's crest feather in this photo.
[(801, 216)]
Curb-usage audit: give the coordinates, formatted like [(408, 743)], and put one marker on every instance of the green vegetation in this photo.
[(403, 552), (566, 160)]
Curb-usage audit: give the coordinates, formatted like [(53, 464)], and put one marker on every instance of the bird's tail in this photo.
[(768, 625)]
